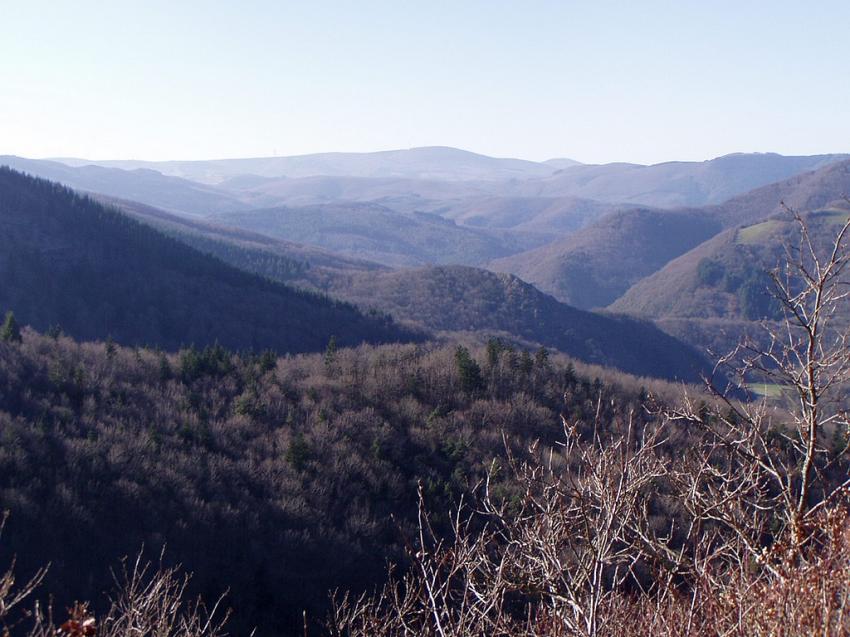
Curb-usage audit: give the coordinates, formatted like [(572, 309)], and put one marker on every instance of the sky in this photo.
[(643, 81)]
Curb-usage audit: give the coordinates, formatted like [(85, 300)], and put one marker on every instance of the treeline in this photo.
[(273, 478)]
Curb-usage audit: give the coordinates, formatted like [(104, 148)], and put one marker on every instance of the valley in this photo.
[(297, 349)]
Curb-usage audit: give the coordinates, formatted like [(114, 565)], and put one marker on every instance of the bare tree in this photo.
[(761, 470), (545, 562), (758, 546)]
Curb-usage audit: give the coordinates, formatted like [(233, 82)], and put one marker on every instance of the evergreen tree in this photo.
[(330, 356), (541, 358), (110, 348), (10, 332), (494, 349), (469, 371)]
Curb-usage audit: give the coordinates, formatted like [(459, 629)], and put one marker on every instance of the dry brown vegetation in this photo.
[(723, 516), (757, 543)]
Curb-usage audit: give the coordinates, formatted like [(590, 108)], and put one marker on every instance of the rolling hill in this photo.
[(458, 298), (412, 194), (264, 255), (446, 299), (596, 265), (673, 184), (546, 215), (725, 277), (806, 192), (377, 233), (68, 260)]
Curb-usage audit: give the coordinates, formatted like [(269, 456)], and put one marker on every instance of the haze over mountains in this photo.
[(431, 292), (146, 186), (434, 162), (352, 224), (449, 172)]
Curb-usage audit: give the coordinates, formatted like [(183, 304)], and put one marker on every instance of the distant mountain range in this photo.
[(432, 162), (375, 232), (674, 184), (640, 240), (146, 186), (453, 173), (598, 264)]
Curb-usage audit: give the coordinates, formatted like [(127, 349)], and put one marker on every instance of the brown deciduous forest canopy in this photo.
[(271, 478)]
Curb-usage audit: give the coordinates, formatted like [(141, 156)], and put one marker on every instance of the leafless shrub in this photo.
[(762, 472), (548, 560), (148, 601), (12, 596), (760, 542)]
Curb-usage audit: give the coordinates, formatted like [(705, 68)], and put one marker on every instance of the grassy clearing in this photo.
[(833, 216), (768, 390), (757, 233)]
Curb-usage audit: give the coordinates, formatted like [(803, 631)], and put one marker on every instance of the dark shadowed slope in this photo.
[(441, 298), (596, 265), (674, 184), (432, 162), (68, 260), (146, 186), (461, 298)]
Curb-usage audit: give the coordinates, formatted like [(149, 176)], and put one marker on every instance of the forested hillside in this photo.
[(714, 294), (465, 299), (272, 478), (597, 264), (373, 231), (67, 261)]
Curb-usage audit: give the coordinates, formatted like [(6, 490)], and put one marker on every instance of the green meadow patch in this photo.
[(752, 235)]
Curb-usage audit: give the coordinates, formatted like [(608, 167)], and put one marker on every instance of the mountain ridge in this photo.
[(69, 261)]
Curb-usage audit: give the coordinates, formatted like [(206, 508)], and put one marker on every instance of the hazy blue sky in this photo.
[(596, 81)]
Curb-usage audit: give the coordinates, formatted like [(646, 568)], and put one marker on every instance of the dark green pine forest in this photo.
[(71, 263)]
